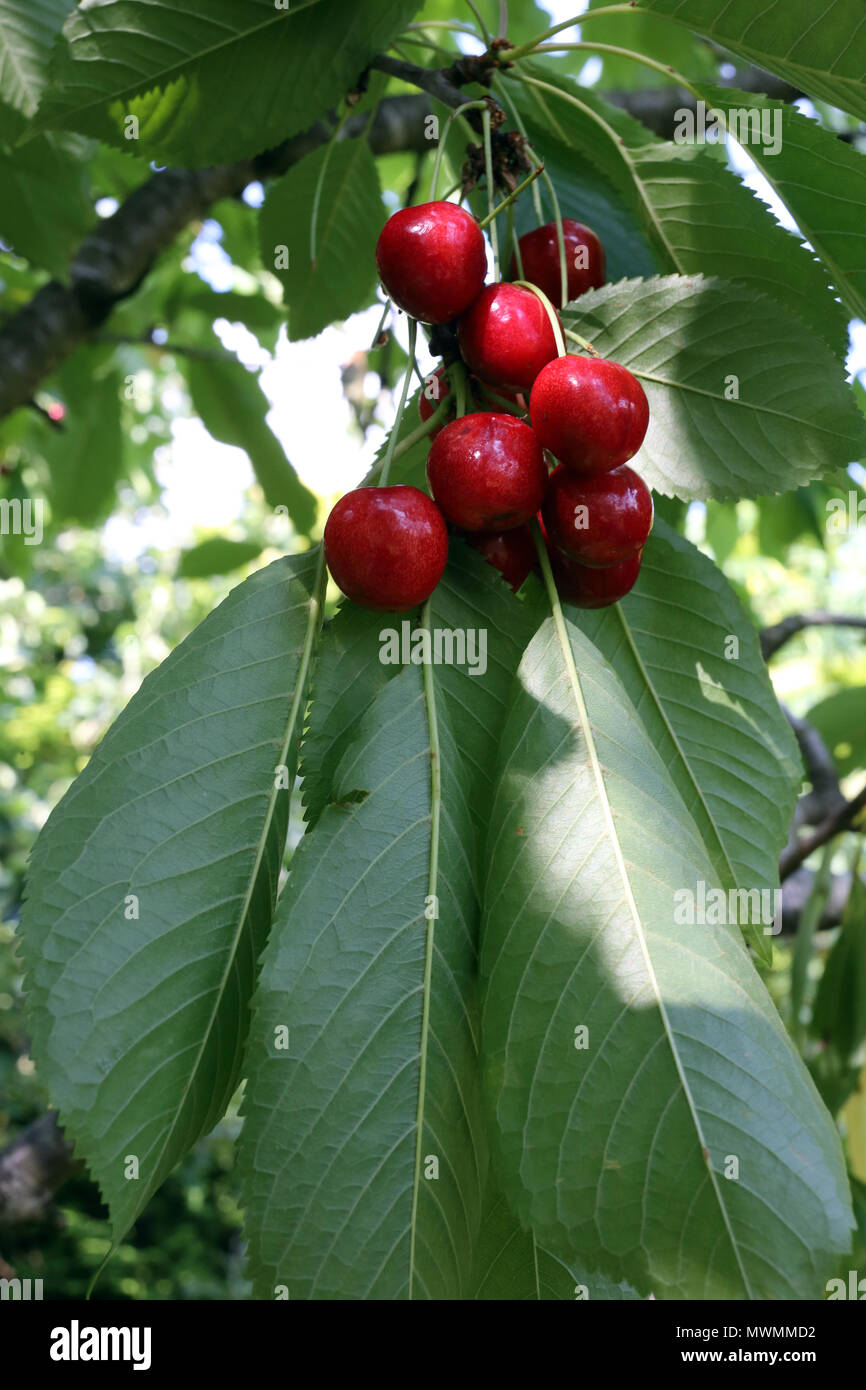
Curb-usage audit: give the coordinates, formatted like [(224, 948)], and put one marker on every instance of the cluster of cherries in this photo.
[(386, 547)]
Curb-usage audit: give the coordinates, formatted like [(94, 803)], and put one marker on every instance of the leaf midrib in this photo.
[(595, 765), (432, 886), (155, 79), (296, 709)]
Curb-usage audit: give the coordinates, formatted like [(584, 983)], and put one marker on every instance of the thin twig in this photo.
[(772, 638), (841, 820)]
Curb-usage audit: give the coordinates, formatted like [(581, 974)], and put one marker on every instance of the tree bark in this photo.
[(32, 1168)]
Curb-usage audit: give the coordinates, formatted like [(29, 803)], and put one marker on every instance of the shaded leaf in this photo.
[(342, 277), (213, 80), (742, 402), (822, 52), (839, 1010), (152, 885), (380, 1072), (27, 31), (697, 216), (216, 556), (820, 178), (690, 661), (618, 1149), (840, 719)]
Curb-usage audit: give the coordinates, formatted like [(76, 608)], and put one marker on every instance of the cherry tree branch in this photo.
[(772, 638), (115, 258), (32, 1168), (841, 819)]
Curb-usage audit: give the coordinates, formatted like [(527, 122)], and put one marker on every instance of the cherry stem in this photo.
[(560, 231), (664, 68), (385, 312), (443, 139), (457, 376), (491, 192), (500, 402), (485, 32), (551, 314), (506, 202), (518, 121), (582, 342), (581, 19), (410, 440), (392, 438), (514, 243)]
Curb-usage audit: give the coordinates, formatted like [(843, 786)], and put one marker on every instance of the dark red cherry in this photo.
[(539, 253), (511, 552), (487, 472), (436, 388), (505, 337), (599, 518), (386, 547), (586, 587), (590, 413), (432, 260)]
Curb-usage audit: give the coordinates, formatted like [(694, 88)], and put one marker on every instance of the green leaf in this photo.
[(742, 402), (840, 721), (349, 676), (27, 31), (620, 1150), (216, 556), (379, 1073), (820, 178), (254, 311), (85, 458), (696, 214), (45, 212), (644, 33), (693, 667), (152, 886), (232, 407), (839, 1010), (214, 80), (341, 277), (820, 52), (511, 1266)]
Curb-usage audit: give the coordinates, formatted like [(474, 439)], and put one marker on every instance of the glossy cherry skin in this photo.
[(590, 413), (539, 253), (600, 518), (432, 260), (505, 337), (487, 472), (593, 588), (386, 547), (511, 552)]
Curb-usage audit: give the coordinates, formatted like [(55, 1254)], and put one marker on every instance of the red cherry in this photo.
[(386, 547), (598, 519), (487, 472), (593, 588), (505, 337), (432, 260), (539, 254), (511, 552), (590, 413), (436, 388)]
